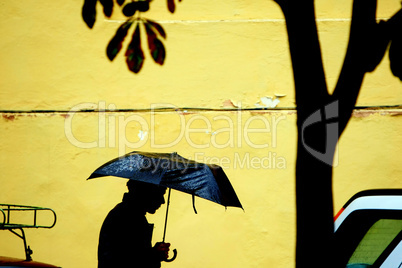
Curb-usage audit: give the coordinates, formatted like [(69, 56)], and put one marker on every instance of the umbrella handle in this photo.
[(173, 258)]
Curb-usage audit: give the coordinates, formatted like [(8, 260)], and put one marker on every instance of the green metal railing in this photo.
[(8, 212)]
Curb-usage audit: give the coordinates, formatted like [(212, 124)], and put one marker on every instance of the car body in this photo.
[(7, 262), (368, 230)]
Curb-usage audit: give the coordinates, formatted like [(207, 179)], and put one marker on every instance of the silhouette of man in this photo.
[(125, 236)]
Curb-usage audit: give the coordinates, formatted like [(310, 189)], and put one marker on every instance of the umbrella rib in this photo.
[(193, 195)]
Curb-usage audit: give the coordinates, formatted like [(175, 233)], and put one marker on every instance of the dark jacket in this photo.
[(125, 238)]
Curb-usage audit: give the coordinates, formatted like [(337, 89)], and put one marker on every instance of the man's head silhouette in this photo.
[(146, 195)]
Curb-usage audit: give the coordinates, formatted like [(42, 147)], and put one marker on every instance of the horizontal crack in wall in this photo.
[(190, 109)]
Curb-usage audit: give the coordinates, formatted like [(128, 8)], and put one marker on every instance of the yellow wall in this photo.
[(219, 56)]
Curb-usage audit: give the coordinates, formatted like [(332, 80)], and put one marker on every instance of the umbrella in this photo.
[(174, 172)]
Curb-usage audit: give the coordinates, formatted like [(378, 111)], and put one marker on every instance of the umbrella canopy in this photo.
[(173, 171)]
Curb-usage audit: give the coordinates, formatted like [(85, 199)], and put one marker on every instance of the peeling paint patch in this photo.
[(230, 104), (276, 112), (278, 95), (394, 113), (9, 117), (362, 114), (267, 102), (366, 113), (184, 112), (65, 116), (142, 134), (265, 112)]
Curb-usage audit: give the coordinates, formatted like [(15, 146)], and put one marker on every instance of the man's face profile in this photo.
[(155, 199), (149, 196)]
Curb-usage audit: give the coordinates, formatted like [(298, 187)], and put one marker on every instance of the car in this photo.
[(368, 230), (13, 222)]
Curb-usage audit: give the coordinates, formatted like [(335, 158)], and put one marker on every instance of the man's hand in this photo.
[(162, 249)]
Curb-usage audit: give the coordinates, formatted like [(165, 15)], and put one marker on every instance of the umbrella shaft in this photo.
[(166, 218)]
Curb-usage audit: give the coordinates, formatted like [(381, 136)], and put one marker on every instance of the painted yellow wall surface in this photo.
[(66, 109)]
